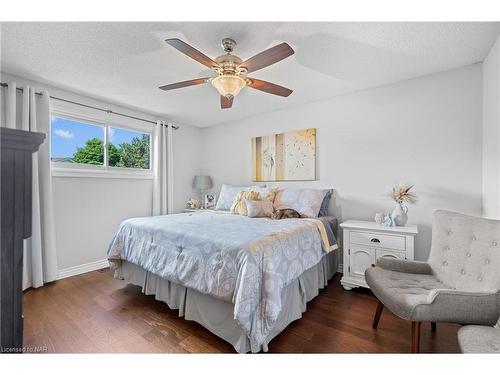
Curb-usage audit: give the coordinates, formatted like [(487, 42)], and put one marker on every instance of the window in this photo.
[(88, 146), (129, 149), (75, 141)]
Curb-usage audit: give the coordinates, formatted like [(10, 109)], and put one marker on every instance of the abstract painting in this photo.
[(285, 157)]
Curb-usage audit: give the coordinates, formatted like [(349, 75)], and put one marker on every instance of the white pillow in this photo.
[(265, 192), (259, 208), (306, 202), (228, 193)]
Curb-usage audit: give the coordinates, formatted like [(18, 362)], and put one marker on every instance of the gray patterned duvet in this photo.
[(247, 261)]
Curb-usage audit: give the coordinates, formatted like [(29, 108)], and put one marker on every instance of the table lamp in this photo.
[(202, 183)]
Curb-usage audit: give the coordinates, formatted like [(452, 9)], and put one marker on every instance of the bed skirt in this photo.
[(217, 315)]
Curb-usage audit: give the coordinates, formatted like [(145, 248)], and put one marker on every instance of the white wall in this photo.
[(425, 131), (88, 210), (491, 133)]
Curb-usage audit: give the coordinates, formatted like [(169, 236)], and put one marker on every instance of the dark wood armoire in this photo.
[(17, 147)]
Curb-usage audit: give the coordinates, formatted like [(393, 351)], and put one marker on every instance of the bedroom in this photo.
[(250, 187)]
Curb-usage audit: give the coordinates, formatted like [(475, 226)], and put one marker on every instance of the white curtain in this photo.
[(163, 186), (10, 106), (40, 257)]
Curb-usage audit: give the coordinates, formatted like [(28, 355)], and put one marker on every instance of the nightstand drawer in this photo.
[(384, 253), (375, 239)]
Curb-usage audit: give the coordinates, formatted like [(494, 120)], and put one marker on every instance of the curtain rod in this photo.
[(175, 127)]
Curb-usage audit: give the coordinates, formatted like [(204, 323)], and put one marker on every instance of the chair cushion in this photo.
[(479, 339), (401, 292)]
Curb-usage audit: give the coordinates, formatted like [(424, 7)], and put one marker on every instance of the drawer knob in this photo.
[(375, 240), (373, 265)]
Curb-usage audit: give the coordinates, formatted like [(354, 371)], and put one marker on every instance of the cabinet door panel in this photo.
[(360, 259)]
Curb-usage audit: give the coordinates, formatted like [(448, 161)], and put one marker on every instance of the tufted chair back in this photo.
[(465, 251)]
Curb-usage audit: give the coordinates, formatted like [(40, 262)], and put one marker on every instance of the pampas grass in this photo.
[(402, 194)]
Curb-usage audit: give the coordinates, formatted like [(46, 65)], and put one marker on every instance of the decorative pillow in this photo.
[(259, 208), (306, 202), (323, 211), (238, 207), (266, 193), (228, 193)]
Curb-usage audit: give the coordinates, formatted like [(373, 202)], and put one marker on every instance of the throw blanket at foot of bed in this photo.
[(247, 261)]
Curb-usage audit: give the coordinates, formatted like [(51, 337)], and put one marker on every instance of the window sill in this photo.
[(98, 173)]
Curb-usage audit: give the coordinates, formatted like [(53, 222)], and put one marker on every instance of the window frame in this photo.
[(61, 169)]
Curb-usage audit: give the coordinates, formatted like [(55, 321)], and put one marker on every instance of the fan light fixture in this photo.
[(228, 86), (232, 71)]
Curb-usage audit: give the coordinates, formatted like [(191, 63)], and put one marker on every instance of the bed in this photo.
[(244, 279)]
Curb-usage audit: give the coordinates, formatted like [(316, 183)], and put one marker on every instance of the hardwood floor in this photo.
[(94, 313)]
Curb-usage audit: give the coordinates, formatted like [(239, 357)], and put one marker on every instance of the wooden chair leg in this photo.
[(376, 318), (433, 327), (415, 337)]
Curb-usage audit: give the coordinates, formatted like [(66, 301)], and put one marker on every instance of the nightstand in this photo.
[(364, 242)]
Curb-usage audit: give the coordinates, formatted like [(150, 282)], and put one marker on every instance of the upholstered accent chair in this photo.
[(460, 282), (479, 339)]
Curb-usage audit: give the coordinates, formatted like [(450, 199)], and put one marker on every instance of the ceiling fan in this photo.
[(232, 71)]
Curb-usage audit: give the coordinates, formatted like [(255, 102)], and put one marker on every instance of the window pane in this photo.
[(75, 141), (128, 149)]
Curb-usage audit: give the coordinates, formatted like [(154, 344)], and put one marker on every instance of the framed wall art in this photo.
[(287, 156)]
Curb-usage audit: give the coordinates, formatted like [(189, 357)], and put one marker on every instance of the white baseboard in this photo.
[(83, 268)]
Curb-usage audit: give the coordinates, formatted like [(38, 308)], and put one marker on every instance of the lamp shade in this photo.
[(202, 182), (228, 85)]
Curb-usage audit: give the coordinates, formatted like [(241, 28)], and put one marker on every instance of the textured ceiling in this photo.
[(126, 62)]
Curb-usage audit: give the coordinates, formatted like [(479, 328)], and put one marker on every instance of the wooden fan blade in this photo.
[(179, 85), (226, 102), (268, 87), (268, 57), (191, 52)]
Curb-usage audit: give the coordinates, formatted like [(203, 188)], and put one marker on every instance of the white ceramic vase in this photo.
[(400, 215)]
